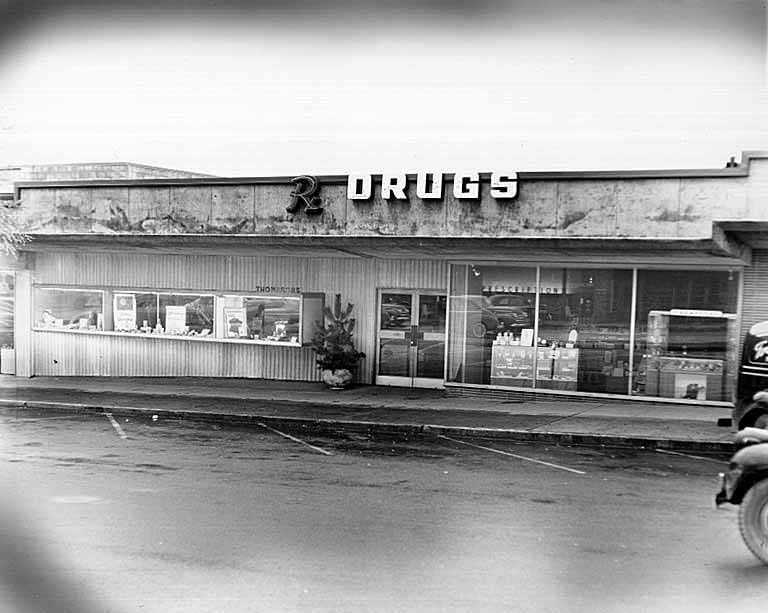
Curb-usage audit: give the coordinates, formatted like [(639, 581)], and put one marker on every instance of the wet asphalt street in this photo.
[(171, 516)]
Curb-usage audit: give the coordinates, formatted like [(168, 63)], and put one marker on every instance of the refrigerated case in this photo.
[(687, 353)]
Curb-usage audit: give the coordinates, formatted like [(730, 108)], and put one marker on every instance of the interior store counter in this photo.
[(556, 368), (684, 377)]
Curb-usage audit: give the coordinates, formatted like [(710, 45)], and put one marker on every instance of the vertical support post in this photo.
[(632, 325), (448, 314), (537, 303), (22, 324)]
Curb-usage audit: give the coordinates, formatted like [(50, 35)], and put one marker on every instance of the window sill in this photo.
[(172, 337)]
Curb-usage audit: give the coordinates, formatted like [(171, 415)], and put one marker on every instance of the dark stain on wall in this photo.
[(668, 215), (573, 217)]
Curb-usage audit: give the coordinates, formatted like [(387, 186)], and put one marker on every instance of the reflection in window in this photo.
[(263, 318), (69, 309), (685, 339), (395, 311), (584, 322), (491, 306), (186, 314)]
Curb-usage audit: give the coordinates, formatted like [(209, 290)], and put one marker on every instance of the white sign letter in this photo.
[(466, 185), (359, 187), (393, 186), (424, 190), (504, 186)]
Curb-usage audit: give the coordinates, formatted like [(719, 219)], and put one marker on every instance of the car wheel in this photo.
[(753, 520)]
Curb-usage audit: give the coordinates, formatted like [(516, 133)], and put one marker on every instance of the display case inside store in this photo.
[(686, 354), (514, 365)]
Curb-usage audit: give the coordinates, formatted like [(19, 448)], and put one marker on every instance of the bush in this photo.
[(332, 342)]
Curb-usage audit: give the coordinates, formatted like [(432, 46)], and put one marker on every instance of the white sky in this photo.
[(626, 84)]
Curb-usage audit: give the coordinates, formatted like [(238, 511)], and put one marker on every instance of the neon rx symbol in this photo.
[(305, 196), (760, 350)]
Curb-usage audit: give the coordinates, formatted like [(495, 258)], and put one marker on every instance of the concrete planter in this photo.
[(338, 379)]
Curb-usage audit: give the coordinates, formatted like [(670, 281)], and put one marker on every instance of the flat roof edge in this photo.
[(741, 170)]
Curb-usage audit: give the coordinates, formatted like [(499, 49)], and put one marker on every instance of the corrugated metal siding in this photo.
[(754, 306), (355, 279)]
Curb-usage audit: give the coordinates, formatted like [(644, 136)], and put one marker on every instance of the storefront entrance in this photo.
[(411, 338)]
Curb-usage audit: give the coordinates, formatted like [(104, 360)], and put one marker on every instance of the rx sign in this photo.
[(305, 196)]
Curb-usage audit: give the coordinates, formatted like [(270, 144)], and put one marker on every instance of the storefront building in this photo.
[(632, 284), (9, 175)]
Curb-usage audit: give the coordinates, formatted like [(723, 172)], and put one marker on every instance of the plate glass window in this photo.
[(584, 330), (264, 318), (491, 325), (71, 309), (687, 337), (186, 314)]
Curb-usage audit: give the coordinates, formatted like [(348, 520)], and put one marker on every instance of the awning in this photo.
[(721, 250)]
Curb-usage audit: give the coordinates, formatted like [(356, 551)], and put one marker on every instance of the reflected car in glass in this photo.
[(511, 311), (492, 315), (395, 315)]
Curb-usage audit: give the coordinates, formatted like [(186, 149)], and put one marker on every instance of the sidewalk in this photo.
[(311, 407)]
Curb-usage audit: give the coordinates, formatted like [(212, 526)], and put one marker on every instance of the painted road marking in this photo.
[(76, 499), (686, 455), (513, 455), (116, 426), (46, 417), (294, 439)]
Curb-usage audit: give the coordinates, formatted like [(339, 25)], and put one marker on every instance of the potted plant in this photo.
[(337, 357)]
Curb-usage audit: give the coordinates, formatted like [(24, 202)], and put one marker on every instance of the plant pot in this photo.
[(338, 379)]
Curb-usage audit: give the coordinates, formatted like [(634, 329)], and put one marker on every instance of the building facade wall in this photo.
[(590, 208), (213, 236), (356, 279)]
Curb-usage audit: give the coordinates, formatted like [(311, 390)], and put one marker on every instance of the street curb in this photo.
[(272, 401), (335, 427)]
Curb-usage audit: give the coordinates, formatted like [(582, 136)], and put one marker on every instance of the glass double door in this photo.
[(411, 338)]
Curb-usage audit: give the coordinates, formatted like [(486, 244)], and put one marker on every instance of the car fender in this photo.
[(753, 461), (751, 413)]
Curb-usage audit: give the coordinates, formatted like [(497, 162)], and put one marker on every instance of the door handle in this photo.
[(415, 336)]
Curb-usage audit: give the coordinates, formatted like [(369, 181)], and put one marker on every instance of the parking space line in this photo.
[(116, 426), (512, 455), (45, 417), (294, 439), (686, 455)]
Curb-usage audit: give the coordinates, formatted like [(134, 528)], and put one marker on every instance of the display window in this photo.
[(584, 322), (686, 334), (134, 312), (577, 329), (185, 314), (71, 309), (491, 307), (288, 320), (260, 318)]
